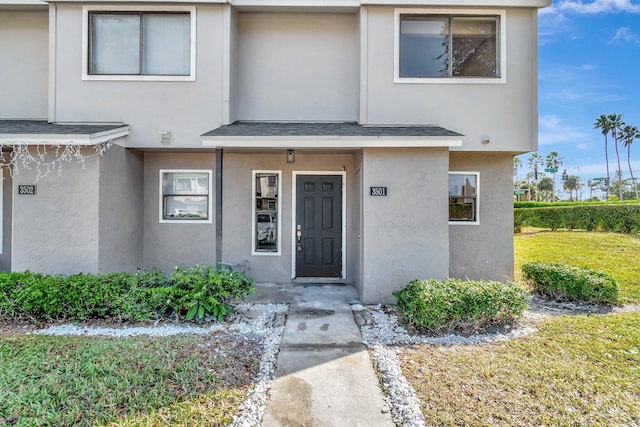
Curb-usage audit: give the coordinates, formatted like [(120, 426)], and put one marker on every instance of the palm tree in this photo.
[(535, 161), (546, 186), (627, 135), (572, 183), (517, 164), (554, 161), (615, 120), (530, 176), (604, 125)]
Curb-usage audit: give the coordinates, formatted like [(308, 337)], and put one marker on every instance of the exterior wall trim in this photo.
[(318, 3), (461, 3), (294, 175)]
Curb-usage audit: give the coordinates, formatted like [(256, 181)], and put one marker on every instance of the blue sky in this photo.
[(589, 64)]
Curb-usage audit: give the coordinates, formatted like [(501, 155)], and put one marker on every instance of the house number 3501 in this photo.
[(378, 191)]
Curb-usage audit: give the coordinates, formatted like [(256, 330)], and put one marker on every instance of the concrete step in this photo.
[(314, 324)]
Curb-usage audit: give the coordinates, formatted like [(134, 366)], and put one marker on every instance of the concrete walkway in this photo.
[(324, 375)]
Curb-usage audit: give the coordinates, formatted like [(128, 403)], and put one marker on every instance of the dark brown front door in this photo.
[(318, 226)]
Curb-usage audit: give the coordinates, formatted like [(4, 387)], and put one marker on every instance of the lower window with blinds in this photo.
[(185, 196)]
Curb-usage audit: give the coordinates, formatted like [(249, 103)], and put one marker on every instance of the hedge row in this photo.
[(452, 304), (530, 205), (197, 292), (571, 283), (621, 218)]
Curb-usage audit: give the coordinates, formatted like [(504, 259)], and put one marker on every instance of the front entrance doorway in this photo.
[(319, 226)]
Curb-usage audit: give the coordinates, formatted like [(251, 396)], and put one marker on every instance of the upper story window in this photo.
[(436, 47), (143, 44), (463, 197)]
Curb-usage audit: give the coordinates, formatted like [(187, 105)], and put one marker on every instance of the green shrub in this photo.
[(622, 218), (201, 291), (204, 290), (454, 304), (570, 283)]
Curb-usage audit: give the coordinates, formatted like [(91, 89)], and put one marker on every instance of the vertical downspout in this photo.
[(51, 102), (218, 205)]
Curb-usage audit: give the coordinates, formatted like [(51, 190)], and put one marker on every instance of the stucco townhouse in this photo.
[(357, 141)]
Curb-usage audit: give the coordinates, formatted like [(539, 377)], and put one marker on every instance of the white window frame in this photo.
[(477, 175), (161, 218), (142, 8), (502, 39), (278, 252)]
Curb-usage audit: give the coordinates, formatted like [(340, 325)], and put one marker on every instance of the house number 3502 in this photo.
[(378, 191), (27, 189)]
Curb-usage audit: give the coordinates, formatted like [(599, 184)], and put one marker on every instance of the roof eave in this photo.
[(331, 142), (65, 139)]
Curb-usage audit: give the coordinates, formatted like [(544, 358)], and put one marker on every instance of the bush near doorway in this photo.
[(463, 305)]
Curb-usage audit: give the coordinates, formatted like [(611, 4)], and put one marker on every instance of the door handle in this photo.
[(299, 247)]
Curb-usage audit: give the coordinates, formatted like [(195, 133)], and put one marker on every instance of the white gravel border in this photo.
[(386, 331)]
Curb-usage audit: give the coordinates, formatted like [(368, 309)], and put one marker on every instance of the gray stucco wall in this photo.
[(485, 251), (296, 66), (56, 230), (237, 215), (7, 213), (121, 211), (167, 245), (405, 235), (186, 108), (24, 64), (506, 113)]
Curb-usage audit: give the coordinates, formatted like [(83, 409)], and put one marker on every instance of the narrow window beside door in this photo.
[(266, 212)]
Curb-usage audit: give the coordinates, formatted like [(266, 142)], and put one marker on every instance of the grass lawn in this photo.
[(614, 253), (576, 370), (184, 380)]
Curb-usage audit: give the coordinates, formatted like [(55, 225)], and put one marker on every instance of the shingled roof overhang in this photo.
[(37, 132), (327, 135)]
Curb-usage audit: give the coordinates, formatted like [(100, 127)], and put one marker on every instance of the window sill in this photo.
[(185, 221), (254, 253), (131, 78), (464, 222), (450, 80)]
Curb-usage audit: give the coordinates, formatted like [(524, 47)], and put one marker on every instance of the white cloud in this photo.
[(591, 8), (570, 95), (553, 130), (624, 34)]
